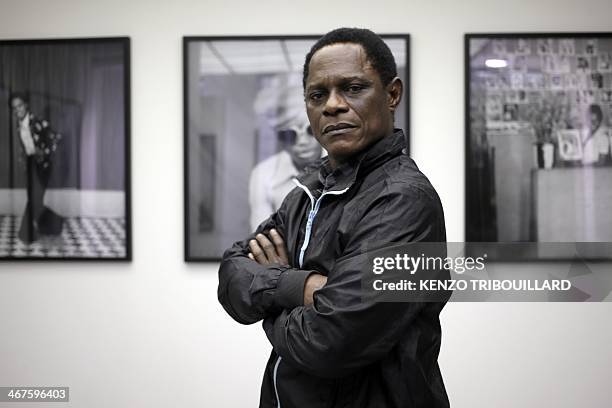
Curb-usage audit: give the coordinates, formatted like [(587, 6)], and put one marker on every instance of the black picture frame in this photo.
[(65, 125), (527, 95), (231, 74)]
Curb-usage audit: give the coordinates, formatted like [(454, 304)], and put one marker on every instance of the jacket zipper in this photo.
[(275, 388), (314, 209)]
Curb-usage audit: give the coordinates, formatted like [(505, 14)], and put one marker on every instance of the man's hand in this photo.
[(313, 282), (265, 252)]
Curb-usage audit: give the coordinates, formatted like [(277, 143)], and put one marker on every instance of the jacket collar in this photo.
[(28, 118), (321, 176)]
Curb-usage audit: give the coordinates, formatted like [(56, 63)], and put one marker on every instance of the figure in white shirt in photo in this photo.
[(39, 144), (595, 142), (272, 178)]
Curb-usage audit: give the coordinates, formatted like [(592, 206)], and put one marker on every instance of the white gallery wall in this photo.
[(151, 333)]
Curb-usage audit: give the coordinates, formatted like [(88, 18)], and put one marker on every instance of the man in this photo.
[(39, 145), (595, 144), (272, 179), (301, 269)]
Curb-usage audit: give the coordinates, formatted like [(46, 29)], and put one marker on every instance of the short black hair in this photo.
[(596, 109), (377, 51), (19, 95)]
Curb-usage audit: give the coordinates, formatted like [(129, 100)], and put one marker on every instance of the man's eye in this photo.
[(315, 96), (355, 88)]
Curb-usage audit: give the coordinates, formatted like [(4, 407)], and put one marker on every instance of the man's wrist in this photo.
[(313, 283), (290, 288)]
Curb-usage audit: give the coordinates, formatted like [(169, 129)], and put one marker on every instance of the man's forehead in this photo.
[(341, 48), (299, 120), (340, 59)]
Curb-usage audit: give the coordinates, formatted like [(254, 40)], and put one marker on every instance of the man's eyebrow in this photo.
[(315, 86), (343, 81), (356, 78)]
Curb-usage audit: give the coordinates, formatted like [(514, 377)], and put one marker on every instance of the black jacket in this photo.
[(341, 351), (46, 142)]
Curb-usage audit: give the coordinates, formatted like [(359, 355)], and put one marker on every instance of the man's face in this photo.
[(299, 141), (595, 121), (348, 106), (20, 108), (306, 149)]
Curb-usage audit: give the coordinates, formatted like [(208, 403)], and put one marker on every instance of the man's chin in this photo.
[(343, 148)]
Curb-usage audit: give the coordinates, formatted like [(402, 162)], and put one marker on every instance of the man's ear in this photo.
[(394, 93)]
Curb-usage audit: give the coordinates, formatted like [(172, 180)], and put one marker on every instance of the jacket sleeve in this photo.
[(340, 332), (46, 142), (249, 291)]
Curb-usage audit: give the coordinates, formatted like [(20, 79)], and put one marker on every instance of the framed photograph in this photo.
[(246, 134), (567, 47), (570, 146), (605, 63), (64, 149), (544, 183)]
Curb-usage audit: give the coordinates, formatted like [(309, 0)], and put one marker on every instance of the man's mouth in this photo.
[(338, 128), (302, 153)]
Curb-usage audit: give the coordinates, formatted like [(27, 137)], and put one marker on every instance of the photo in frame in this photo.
[(64, 149), (540, 173), (570, 145), (246, 95)]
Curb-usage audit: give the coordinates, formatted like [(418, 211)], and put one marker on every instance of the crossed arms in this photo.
[(336, 333), (272, 250)]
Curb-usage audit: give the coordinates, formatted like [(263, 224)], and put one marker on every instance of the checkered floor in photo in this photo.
[(80, 238)]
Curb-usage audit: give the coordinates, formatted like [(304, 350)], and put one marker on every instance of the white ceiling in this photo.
[(267, 56)]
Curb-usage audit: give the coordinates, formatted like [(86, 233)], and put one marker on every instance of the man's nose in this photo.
[(302, 138), (335, 104)]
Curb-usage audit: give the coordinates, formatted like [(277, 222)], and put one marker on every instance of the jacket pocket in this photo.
[(297, 389)]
